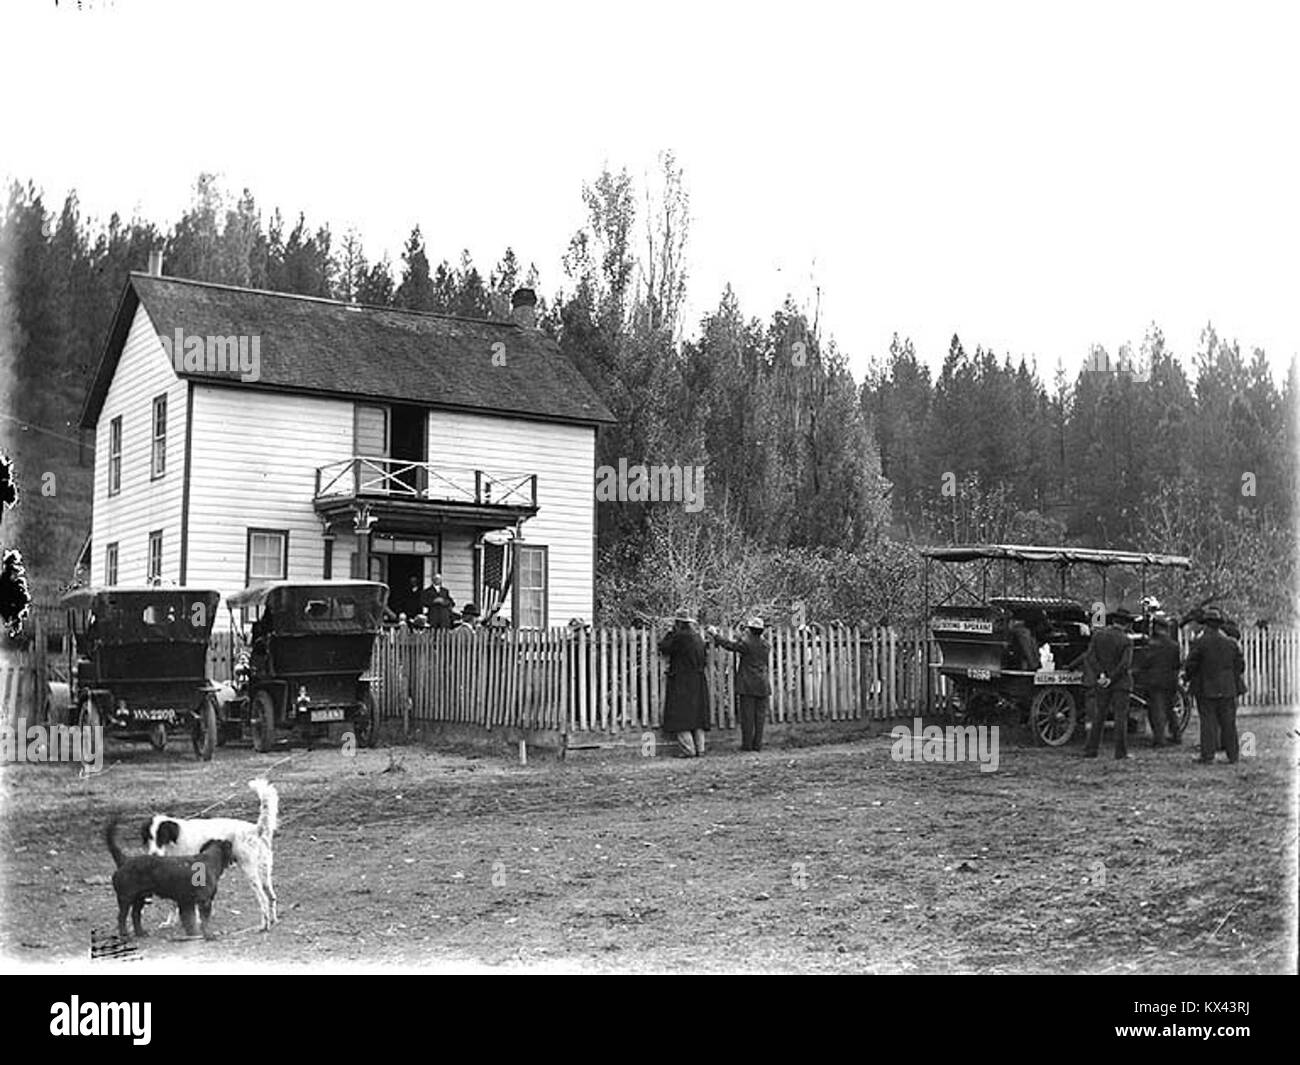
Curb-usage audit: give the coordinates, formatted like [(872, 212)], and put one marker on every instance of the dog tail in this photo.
[(268, 819), (110, 831)]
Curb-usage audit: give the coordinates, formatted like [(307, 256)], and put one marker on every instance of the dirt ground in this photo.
[(831, 858)]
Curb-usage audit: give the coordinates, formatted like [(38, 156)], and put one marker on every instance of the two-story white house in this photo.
[(243, 436)]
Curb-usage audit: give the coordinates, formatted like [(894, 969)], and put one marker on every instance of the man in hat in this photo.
[(1163, 660), (438, 601), (1111, 656), (753, 688), (407, 600), (686, 697), (1215, 670)]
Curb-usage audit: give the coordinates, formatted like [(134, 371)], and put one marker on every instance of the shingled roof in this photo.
[(324, 347)]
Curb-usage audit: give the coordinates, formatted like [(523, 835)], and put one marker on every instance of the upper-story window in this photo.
[(158, 459), (110, 564), (115, 456)]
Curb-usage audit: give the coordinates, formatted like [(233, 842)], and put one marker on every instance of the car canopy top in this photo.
[(1061, 556), (306, 608), (148, 614)]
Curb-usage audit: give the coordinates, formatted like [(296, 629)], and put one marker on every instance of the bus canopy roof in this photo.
[(1061, 556)]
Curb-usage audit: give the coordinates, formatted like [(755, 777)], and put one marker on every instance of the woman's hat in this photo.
[(755, 623)]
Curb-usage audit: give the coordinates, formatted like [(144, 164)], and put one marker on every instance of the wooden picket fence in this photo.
[(613, 680), (1272, 666), (19, 684)]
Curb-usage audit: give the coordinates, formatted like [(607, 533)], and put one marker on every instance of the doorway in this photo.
[(401, 568), (408, 444)]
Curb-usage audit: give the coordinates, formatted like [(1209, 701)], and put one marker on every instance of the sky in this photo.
[(1036, 178)]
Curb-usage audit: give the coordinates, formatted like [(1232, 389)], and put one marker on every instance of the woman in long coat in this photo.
[(686, 697)]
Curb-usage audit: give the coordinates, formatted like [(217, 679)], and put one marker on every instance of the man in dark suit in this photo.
[(753, 688), (437, 602), (1111, 656), (1160, 675), (406, 600), (1215, 669), (686, 696)]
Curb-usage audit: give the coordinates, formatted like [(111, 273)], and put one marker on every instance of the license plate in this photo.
[(152, 715), (334, 714), (961, 625), (1058, 676), (979, 674)]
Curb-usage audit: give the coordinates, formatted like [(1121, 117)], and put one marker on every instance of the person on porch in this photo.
[(407, 600), (438, 601), (686, 698)]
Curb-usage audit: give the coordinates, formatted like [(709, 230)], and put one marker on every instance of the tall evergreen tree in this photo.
[(415, 291)]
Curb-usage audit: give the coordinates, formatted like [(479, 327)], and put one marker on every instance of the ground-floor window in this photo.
[(268, 555), (530, 566), (155, 557)]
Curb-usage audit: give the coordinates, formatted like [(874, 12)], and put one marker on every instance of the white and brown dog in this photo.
[(250, 844)]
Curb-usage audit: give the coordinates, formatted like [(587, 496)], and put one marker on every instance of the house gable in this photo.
[(132, 498)]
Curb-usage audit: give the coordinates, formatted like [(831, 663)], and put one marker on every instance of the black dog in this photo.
[(189, 880)]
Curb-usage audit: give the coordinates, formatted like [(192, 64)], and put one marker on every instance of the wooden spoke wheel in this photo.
[(367, 726), (204, 736), (89, 718), (263, 721), (1181, 711), (1053, 717)]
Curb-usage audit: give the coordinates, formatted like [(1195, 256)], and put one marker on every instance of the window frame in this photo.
[(150, 574), (115, 456), (537, 550), (158, 441), (248, 554), (111, 555)]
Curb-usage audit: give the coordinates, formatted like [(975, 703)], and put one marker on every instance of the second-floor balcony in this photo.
[(404, 491)]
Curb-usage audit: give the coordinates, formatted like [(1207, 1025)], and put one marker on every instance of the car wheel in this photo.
[(158, 737), (1181, 712), (205, 729), (88, 717), (263, 721), (367, 727), (1053, 716)]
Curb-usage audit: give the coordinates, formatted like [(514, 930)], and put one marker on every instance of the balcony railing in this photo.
[(424, 481)]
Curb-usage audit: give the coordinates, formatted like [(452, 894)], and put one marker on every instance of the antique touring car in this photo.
[(137, 663), (1011, 657), (304, 665)]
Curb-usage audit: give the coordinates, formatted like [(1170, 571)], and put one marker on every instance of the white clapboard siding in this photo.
[(253, 464), (563, 458), (143, 505), (458, 564)]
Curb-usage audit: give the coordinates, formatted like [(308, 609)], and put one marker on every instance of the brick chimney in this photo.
[(155, 262), (523, 308)]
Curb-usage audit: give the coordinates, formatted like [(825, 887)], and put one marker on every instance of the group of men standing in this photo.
[(686, 699), (429, 607), (1214, 675)]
